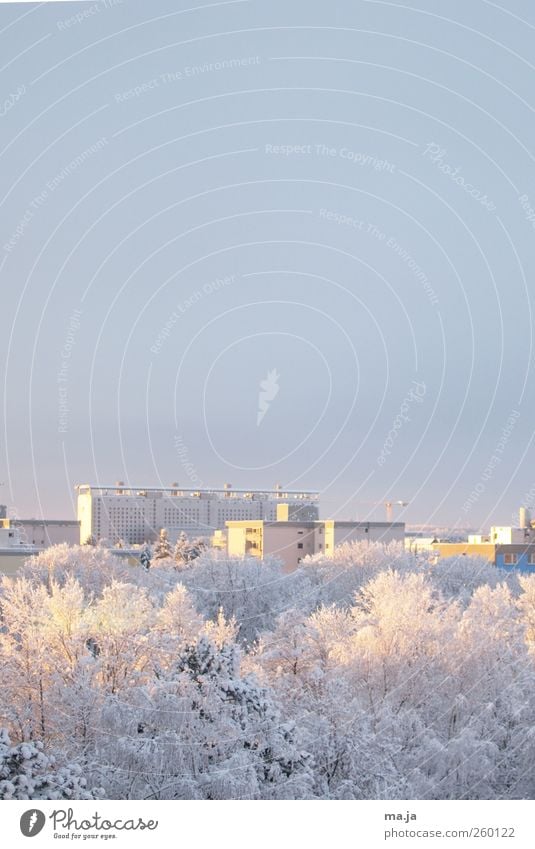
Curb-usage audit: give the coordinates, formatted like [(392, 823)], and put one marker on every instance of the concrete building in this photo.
[(47, 532), (506, 535), (515, 557), (44, 532), (290, 541), (22, 538), (120, 512), (418, 543), (509, 556), (9, 536), (12, 559), (507, 547), (13, 549)]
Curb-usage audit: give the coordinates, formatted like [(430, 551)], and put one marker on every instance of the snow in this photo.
[(374, 674)]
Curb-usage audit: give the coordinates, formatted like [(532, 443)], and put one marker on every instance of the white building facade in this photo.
[(136, 515)]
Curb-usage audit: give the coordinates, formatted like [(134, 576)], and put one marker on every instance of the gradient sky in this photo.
[(194, 195)]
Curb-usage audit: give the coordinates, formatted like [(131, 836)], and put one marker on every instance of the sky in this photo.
[(260, 242)]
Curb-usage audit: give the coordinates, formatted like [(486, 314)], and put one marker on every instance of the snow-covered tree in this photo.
[(203, 731), (93, 567), (119, 624), (252, 592), (26, 772), (162, 547), (185, 551), (25, 671), (371, 674), (459, 577), (221, 631), (526, 606), (145, 558)]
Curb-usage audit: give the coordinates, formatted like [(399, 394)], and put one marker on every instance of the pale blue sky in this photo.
[(280, 148)]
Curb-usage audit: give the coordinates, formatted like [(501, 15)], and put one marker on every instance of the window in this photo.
[(299, 545), (300, 532), (532, 559), (510, 559)]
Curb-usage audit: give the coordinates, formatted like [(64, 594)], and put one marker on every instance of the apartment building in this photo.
[(291, 541), (136, 515)]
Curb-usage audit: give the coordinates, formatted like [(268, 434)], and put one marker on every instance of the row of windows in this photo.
[(512, 559), (227, 514), (126, 514), (175, 510)]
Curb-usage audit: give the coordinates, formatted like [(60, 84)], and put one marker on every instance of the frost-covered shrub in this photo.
[(26, 772)]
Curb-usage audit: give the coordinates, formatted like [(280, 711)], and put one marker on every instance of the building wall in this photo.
[(11, 562), (39, 532), (9, 536), (506, 535), (290, 543), (295, 513), (417, 544), (522, 554), (337, 533), (458, 549), (236, 542), (524, 562), (137, 516), (46, 533), (85, 514)]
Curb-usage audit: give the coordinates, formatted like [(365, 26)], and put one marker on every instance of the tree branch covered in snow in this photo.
[(374, 674)]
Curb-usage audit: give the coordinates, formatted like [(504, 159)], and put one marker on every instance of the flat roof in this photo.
[(501, 547), (136, 489), (186, 489), (249, 523), (45, 521), (348, 524), (21, 550)]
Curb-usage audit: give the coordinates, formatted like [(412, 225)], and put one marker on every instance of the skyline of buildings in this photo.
[(259, 523)]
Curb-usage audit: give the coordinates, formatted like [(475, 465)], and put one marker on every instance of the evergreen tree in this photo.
[(26, 772), (162, 549), (181, 548), (144, 558)]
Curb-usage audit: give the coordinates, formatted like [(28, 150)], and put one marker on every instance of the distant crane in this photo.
[(388, 505)]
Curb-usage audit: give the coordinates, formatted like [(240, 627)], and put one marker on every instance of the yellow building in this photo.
[(290, 541), (468, 549)]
